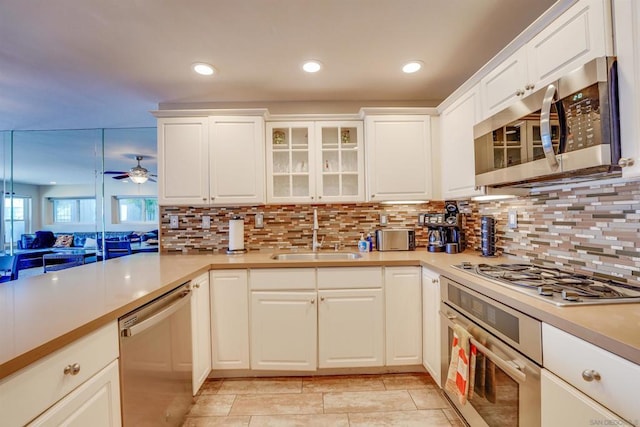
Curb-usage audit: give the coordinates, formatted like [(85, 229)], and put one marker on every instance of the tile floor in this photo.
[(354, 400)]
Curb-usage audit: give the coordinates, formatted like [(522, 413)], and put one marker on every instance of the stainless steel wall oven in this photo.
[(506, 374)]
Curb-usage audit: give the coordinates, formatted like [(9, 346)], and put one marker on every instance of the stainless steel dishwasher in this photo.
[(156, 362)]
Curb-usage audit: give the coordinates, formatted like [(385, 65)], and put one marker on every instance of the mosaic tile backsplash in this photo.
[(286, 226), (594, 229)]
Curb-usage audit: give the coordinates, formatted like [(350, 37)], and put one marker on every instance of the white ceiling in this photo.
[(106, 63)]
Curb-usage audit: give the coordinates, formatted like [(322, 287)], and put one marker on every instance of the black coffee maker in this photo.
[(445, 232)]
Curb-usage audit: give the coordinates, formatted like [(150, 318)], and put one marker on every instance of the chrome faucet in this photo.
[(315, 245)]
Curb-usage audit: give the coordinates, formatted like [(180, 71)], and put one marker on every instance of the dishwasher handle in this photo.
[(157, 317)]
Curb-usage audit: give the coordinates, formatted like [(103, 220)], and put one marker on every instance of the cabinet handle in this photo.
[(589, 375), (72, 369), (625, 162), (313, 301)]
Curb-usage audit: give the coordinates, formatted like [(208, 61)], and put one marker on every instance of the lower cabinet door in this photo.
[(95, 403), (563, 405), (284, 330), (201, 331), (350, 328), (403, 308), (431, 352)]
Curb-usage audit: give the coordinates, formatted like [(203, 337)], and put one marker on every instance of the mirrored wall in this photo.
[(75, 181)]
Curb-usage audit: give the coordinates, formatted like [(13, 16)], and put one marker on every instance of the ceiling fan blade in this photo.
[(152, 180), (114, 172), (121, 177)]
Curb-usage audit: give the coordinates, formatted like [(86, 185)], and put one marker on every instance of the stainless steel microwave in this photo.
[(567, 131)]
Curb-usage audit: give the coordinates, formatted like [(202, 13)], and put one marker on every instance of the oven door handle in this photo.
[(508, 366)]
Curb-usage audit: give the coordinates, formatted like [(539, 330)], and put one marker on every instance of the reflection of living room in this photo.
[(54, 182)]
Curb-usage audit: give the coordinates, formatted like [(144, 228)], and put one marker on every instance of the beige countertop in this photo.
[(41, 314)]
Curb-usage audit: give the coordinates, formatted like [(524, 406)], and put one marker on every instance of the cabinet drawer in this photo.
[(282, 279), (32, 390), (568, 357), (349, 277)]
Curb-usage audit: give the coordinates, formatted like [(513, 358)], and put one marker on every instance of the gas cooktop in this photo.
[(559, 287)]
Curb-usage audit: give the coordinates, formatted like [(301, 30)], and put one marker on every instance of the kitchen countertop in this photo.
[(41, 314)]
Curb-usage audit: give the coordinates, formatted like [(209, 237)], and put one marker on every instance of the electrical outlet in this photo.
[(384, 220), (513, 218), (206, 222), (173, 221), (259, 220)]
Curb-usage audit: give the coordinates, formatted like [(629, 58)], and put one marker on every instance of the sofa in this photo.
[(31, 247)]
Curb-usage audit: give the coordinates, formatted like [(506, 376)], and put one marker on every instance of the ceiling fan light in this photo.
[(139, 179)]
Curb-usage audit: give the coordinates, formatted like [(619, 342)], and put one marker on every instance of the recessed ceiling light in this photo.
[(312, 66), (412, 67), (204, 69)]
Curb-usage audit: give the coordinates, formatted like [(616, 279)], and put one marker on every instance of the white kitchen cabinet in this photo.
[(95, 403), (183, 168), (216, 160), (431, 355), (398, 157), (627, 34), (339, 150), (604, 377), (29, 392), (311, 162), (403, 316), (200, 331), (580, 34), (229, 319), (350, 317), (283, 330), (457, 147), (563, 405), (350, 328)]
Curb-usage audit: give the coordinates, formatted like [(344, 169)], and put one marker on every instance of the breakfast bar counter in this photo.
[(41, 314)]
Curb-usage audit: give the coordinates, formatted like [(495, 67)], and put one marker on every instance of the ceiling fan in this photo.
[(137, 174)]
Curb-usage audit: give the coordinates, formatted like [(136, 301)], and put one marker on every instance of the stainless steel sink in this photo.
[(315, 256)]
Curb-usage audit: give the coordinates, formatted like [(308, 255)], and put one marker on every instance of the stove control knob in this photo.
[(546, 291), (570, 296), (589, 375)]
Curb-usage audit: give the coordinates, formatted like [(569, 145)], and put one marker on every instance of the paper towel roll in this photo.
[(236, 234)]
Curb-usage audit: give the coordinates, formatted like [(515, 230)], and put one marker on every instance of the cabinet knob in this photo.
[(589, 375), (213, 198), (319, 197), (313, 301), (196, 285), (204, 199), (373, 195), (434, 280), (529, 86), (72, 369), (311, 197), (625, 162), (321, 298), (519, 92)]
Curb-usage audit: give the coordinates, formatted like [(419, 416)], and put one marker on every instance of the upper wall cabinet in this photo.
[(627, 31), (398, 157), (315, 162), (580, 34), (456, 146), (211, 160)]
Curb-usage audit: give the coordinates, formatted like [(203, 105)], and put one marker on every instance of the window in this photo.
[(21, 217), (66, 211), (137, 209)]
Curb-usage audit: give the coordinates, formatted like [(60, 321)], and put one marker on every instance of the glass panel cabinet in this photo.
[(314, 162)]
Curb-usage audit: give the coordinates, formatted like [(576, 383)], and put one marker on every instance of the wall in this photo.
[(286, 226), (594, 229)]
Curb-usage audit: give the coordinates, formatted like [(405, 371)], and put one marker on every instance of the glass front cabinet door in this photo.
[(314, 162)]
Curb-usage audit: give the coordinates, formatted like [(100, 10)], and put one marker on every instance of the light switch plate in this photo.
[(173, 221), (206, 222), (259, 220), (383, 220), (513, 218)]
